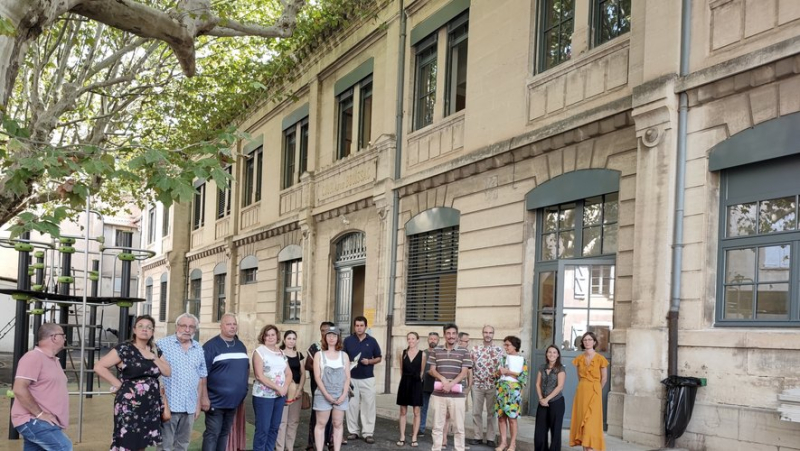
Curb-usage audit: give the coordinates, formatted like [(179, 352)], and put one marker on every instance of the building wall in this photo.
[(612, 106)]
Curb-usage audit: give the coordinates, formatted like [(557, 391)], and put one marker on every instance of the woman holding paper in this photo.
[(512, 377), (586, 429)]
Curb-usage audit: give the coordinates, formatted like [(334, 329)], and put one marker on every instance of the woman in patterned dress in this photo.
[(137, 405), (509, 393)]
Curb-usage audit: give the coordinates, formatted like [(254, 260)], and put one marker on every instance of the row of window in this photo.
[(610, 19), (291, 280)]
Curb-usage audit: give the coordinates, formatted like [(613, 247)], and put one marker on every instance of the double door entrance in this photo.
[(572, 297)]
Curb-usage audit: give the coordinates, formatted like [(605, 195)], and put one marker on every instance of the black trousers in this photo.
[(549, 420)]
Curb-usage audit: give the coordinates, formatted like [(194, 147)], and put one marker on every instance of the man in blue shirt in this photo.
[(227, 383), (362, 378), (186, 386)]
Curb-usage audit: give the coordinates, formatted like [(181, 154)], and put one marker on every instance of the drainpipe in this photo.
[(401, 69), (680, 196)]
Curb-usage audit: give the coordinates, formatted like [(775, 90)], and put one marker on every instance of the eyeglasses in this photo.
[(56, 335), (147, 328), (187, 326)]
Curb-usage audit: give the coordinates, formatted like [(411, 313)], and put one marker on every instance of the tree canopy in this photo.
[(116, 110)]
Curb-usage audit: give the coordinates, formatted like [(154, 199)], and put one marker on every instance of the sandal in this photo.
[(414, 444), (401, 443), (500, 448)]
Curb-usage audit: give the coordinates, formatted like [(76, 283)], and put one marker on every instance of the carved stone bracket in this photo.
[(653, 121)]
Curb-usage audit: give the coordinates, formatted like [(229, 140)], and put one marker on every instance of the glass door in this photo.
[(576, 298)]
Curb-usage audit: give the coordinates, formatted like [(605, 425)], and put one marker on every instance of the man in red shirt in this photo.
[(41, 400)]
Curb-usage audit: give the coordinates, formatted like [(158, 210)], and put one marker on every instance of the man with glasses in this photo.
[(185, 387), (485, 360), (226, 386), (41, 400)]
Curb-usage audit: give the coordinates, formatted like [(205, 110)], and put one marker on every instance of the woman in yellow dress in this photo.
[(586, 429)]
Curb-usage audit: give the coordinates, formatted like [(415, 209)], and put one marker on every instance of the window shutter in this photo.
[(432, 276)]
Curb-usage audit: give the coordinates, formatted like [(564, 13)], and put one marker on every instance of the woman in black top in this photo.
[(409, 393), (550, 412), (291, 411)]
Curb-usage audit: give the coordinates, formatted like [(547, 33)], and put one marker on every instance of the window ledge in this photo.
[(590, 56), (438, 125)]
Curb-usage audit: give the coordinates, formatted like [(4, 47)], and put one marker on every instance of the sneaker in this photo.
[(369, 440)]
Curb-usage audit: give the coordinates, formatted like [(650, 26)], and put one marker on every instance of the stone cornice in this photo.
[(517, 149), (192, 256), (160, 261), (268, 233), (344, 209)]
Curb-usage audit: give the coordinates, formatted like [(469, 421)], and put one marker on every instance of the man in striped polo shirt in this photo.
[(449, 365)]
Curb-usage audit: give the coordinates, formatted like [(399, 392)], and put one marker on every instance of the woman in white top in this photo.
[(272, 376), (332, 373)]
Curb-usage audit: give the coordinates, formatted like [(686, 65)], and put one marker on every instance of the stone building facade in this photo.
[(526, 164)]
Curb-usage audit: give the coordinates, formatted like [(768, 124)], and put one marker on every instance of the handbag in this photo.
[(166, 414), (306, 402)]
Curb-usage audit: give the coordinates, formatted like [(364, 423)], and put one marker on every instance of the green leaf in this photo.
[(7, 28)]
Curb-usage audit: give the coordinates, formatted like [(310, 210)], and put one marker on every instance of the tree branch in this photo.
[(179, 27)]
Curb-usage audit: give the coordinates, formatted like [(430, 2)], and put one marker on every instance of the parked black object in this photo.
[(681, 392)]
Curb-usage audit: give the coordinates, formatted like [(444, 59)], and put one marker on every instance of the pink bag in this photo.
[(438, 386)]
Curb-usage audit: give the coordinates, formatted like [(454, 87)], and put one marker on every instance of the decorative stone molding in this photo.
[(162, 260), (356, 171), (579, 80), (269, 233), (550, 143), (190, 257), (435, 141), (652, 136), (744, 81), (344, 209)]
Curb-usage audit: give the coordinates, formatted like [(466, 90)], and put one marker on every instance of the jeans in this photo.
[(177, 432), (269, 412), (218, 427), (549, 419), (42, 436), (426, 399)]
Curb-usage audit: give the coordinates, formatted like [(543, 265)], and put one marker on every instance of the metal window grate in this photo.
[(351, 247), (432, 276)]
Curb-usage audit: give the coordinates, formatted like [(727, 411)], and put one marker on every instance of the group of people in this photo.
[(442, 376), (161, 388)]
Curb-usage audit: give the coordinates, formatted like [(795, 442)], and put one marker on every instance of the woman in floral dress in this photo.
[(509, 392), (137, 405)]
